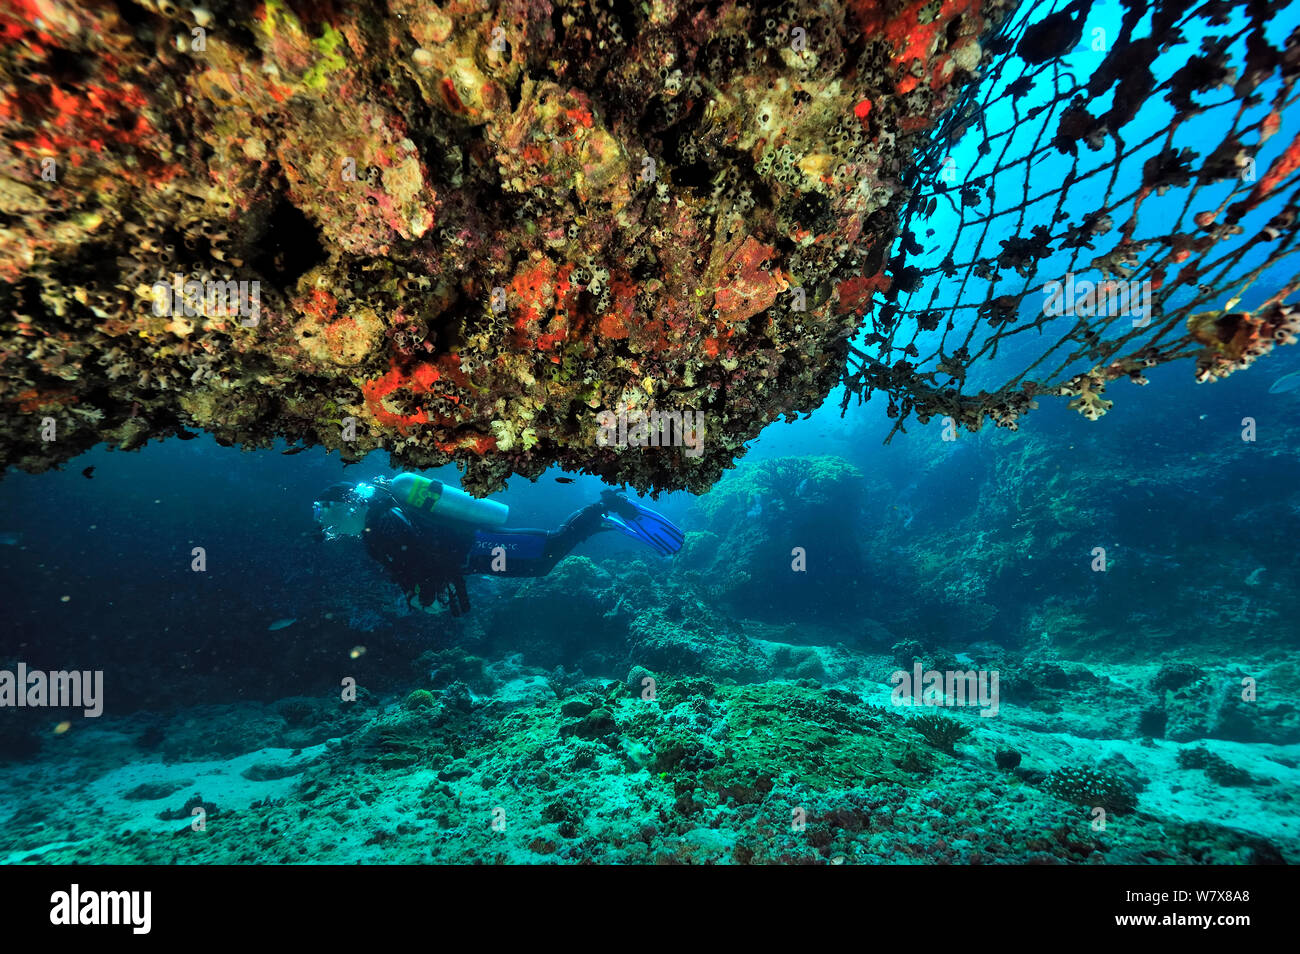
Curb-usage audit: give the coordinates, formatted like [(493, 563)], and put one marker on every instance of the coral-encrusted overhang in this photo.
[(469, 228)]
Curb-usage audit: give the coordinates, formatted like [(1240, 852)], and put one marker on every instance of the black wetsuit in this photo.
[(437, 557)]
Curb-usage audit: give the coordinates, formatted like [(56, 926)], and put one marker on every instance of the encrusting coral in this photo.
[(1094, 788), (472, 226)]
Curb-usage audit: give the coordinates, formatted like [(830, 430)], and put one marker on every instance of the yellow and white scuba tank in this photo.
[(434, 500)]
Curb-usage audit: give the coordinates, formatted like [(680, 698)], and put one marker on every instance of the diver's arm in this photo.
[(425, 566), (390, 539)]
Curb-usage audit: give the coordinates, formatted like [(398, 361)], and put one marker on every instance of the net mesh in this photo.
[(1114, 194)]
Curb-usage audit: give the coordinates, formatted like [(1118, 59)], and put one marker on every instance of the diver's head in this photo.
[(340, 511)]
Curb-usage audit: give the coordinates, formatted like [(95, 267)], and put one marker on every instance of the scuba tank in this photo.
[(435, 500)]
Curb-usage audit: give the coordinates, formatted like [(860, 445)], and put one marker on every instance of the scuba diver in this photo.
[(429, 536)]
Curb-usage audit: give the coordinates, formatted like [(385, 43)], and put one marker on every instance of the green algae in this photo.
[(803, 733), (331, 61)]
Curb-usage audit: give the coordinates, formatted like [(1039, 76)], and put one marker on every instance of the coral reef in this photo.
[(705, 772), (612, 712), (630, 709), (694, 646), (471, 226)]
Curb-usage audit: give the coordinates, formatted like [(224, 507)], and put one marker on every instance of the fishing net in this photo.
[(1112, 195)]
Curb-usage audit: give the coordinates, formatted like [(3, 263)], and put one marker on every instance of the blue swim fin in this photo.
[(641, 523)]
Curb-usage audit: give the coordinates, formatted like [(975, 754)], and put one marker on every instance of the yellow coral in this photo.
[(504, 433), (1089, 401)]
